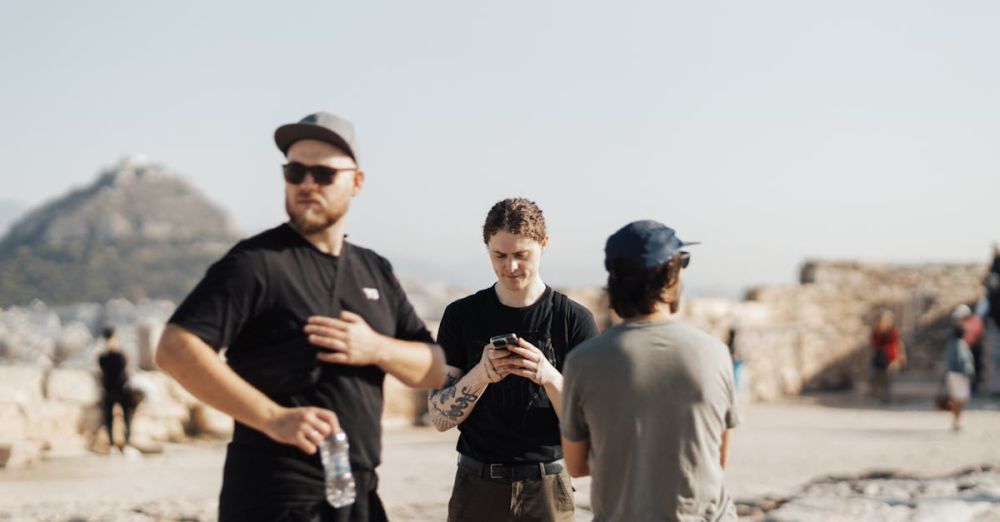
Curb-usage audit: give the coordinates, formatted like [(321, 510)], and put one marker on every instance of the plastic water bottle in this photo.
[(337, 470)]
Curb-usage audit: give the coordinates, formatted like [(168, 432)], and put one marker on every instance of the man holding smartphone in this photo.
[(504, 349)]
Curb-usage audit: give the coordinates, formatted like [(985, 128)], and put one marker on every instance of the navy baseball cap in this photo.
[(321, 126), (648, 243)]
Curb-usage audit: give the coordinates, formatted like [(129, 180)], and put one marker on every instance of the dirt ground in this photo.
[(778, 448)]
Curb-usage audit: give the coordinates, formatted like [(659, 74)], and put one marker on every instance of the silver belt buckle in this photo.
[(492, 474)]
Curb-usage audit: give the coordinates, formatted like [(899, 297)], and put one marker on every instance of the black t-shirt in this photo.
[(513, 420), (112, 371), (255, 301), (993, 293)]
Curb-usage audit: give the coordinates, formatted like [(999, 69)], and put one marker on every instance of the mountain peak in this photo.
[(131, 167), (135, 212)]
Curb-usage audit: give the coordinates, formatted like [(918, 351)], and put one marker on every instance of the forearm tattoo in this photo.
[(457, 409), (449, 415), (449, 383)]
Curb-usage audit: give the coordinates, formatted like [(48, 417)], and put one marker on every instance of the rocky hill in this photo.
[(138, 231)]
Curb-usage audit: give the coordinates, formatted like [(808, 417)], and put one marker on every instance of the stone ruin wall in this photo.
[(815, 335)]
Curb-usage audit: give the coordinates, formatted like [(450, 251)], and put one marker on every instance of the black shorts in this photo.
[(366, 508), (259, 487)]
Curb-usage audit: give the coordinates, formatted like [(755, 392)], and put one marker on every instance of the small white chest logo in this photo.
[(371, 293)]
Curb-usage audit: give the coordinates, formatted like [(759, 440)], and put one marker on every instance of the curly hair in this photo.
[(518, 216)]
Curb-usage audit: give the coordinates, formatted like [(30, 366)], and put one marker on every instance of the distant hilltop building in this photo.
[(139, 231)]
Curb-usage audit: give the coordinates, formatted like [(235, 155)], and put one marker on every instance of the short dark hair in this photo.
[(518, 216), (634, 290), (108, 332)]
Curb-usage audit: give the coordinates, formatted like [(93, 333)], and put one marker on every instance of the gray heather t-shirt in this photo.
[(654, 399)]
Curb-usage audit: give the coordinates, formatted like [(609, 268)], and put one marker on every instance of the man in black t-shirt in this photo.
[(311, 324), (506, 401), (114, 378)]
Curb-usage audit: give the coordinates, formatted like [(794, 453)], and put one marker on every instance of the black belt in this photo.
[(510, 472)]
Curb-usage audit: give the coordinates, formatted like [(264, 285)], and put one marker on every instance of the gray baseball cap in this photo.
[(321, 126)]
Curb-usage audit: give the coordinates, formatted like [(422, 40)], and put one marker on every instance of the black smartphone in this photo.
[(502, 341)]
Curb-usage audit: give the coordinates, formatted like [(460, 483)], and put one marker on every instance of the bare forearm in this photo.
[(452, 404), (553, 388), (197, 368), (575, 455), (415, 364)]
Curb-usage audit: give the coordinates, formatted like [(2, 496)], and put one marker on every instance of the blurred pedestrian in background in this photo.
[(114, 380), (888, 355), (973, 325), (958, 374)]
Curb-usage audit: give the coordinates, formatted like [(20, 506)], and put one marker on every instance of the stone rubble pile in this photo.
[(51, 412), (969, 496)]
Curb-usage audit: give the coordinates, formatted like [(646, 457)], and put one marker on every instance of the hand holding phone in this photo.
[(494, 351)]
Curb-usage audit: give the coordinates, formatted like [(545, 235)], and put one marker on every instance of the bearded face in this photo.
[(312, 207), (312, 213)]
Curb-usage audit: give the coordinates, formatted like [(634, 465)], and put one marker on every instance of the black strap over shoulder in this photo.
[(560, 336)]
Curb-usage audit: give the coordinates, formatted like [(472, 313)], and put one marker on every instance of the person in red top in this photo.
[(888, 355)]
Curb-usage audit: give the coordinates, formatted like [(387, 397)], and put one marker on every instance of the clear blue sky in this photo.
[(771, 130)]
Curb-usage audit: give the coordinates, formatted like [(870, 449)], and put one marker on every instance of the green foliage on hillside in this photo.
[(131, 271)]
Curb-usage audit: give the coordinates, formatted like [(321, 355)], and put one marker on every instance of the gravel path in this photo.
[(778, 449)]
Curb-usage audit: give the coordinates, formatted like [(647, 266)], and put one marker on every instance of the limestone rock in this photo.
[(148, 335), (19, 454), (816, 334), (968, 496), (13, 422), (72, 386), (21, 384), (50, 422)]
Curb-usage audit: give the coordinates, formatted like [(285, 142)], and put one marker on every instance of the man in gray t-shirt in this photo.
[(650, 401)]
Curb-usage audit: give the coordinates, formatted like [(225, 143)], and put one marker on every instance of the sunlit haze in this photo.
[(771, 131)]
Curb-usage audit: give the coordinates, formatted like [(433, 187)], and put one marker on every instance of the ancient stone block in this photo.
[(13, 421), (21, 384), (50, 421), (72, 386)]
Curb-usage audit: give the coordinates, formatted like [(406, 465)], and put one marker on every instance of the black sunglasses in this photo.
[(295, 173), (685, 259)]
